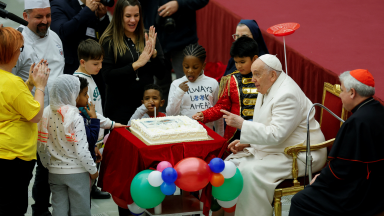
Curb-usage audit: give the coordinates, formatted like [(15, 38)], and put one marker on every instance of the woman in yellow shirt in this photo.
[(19, 113)]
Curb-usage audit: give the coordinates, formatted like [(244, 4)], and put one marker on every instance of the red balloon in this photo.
[(121, 203), (229, 210), (193, 174)]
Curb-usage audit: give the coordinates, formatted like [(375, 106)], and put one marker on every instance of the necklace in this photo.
[(137, 75), (364, 104)]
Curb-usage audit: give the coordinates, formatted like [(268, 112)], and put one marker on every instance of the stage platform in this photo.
[(335, 36)]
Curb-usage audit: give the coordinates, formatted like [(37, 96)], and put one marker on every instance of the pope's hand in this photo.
[(232, 119), (235, 146), (198, 116), (313, 180)]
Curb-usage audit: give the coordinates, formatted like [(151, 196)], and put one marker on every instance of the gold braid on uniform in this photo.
[(225, 82)]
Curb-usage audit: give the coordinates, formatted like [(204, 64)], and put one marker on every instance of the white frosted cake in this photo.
[(169, 129)]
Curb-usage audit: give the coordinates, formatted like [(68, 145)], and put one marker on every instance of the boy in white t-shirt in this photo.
[(90, 55)]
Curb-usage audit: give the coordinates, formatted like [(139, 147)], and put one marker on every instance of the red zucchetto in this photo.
[(364, 76)]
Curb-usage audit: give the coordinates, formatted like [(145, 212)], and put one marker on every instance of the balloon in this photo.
[(227, 204), (135, 209), (121, 203), (154, 179), (193, 174), (143, 194), (214, 205), (217, 165), (168, 188), (229, 210), (169, 175), (230, 189), (162, 165), (217, 179), (229, 170)]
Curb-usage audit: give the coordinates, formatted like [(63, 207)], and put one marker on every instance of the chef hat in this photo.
[(363, 76), (272, 61), (32, 4)]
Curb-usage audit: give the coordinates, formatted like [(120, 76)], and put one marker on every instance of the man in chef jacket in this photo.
[(281, 121), (40, 43)]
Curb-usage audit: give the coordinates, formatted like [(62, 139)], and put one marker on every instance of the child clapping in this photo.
[(153, 97)]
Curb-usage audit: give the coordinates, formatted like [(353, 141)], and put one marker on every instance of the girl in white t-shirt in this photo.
[(194, 92)]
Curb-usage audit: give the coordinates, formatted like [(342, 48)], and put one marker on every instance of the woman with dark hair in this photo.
[(250, 29), (19, 113), (132, 57)]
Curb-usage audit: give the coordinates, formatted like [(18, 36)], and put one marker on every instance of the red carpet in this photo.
[(334, 36)]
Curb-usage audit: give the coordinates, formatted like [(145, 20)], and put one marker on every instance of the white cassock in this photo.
[(278, 122), (49, 48)]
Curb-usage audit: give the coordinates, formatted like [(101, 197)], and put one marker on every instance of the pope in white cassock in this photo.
[(40, 42), (280, 120)]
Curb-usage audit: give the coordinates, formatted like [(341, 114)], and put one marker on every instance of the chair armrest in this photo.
[(302, 148), (296, 149)]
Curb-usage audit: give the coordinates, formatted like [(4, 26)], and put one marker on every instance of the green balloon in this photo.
[(143, 194), (230, 189)]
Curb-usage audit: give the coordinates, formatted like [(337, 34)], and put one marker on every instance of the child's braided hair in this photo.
[(195, 50)]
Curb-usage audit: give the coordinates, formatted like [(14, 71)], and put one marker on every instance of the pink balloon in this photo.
[(162, 165)]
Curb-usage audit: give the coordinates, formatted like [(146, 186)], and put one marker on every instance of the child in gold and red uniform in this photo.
[(237, 93)]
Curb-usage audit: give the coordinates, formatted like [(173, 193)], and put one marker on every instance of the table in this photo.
[(125, 155)]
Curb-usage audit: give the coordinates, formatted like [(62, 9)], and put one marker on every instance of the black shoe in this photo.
[(97, 194)]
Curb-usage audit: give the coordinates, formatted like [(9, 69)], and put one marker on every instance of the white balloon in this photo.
[(229, 170), (227, 204), (154, 178), (135, 208)]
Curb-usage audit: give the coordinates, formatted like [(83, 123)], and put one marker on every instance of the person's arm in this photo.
[(224, 102), (286, 116), (111, 73), (66, 27), (139, 113), (81, 147), (175, 99), (40, 77)]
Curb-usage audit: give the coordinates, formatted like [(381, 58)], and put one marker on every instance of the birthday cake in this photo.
[(169, 129)]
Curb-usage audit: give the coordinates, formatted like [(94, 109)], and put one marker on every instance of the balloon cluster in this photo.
[(227, 184), (149, 187)]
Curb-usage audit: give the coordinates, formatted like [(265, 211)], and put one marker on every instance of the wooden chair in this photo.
[(329, 126)]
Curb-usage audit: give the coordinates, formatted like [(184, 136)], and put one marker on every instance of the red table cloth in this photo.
[(125, 155)]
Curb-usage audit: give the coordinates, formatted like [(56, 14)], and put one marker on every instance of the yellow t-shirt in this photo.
[(18, 136)]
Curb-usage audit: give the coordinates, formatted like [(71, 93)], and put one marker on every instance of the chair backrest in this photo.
[(329, 124)]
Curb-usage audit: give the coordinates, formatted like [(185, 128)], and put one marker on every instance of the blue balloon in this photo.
[(217, 165), (136, 214), (168, 188), (169, 175)]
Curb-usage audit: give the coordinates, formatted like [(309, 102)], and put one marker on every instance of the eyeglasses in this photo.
[(236, 36), (22, 48)]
